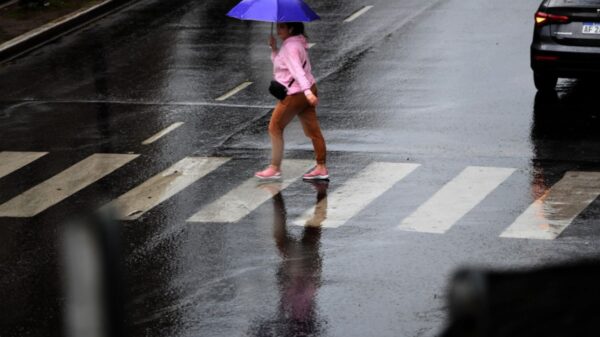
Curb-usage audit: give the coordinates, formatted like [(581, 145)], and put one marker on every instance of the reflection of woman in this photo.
[(299, 274), (292, 69)]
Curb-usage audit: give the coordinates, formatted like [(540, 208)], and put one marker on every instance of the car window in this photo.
[(562, 3)]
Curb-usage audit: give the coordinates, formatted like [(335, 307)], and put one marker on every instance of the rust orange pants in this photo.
[(285, 111)]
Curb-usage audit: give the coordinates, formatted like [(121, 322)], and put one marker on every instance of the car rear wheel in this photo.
[(544, 82)]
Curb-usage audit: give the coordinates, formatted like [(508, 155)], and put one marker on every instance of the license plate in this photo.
[(591, 28)]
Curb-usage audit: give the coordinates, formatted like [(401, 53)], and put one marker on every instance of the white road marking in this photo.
[(234, 91), (310, 45), (48, 26), (64, 184), (12, 161), (152, 103), (164, 185), (9, 3), (358, 13), (162, 133), (456, 199), (358, 192), (549, 215), (241, 201)]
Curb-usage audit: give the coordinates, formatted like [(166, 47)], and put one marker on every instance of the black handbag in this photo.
[(279, 90)]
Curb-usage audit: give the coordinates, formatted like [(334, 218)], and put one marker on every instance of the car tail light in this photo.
[(545, 58), (542, 18)]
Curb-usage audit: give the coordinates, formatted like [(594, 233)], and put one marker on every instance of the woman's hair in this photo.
[(296, 28)]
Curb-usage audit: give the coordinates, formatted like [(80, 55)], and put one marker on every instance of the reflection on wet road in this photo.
[(299, 273), (550, 214)]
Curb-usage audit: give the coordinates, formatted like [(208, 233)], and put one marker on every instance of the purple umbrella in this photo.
[(273, 11)]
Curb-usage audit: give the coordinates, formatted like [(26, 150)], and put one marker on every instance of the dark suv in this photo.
[(566, 41)]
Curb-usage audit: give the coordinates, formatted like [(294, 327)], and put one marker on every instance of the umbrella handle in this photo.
[(272, 28)]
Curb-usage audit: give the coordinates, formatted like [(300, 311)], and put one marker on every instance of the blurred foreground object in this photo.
[(93, 278), (551, 302)]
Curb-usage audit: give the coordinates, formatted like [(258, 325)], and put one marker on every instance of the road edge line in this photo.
[(48, 32)]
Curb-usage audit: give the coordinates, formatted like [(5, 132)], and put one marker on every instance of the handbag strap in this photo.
[(293, 79)]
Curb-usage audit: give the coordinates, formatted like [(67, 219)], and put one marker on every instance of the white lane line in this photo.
[(64, 184), (310, 45), (161, 187), (162, 133), (46, 27), (242, 200), (358, 192), (234, 91), (9, 3), (150, 103), (358, 13), (456, 199), (549, 215), (12, 161)]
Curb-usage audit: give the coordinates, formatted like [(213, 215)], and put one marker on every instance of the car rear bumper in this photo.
[(566, 61)]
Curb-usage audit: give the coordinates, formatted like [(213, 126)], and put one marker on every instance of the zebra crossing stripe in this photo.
[(358, 192), (234, 91), (455, 199), (358, 13), (12, 161), (239, 202), (162, 133), (554, 211), (164, 185), (64, 184)]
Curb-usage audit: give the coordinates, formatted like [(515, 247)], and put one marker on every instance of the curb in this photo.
[(5, 3), (40, 36)]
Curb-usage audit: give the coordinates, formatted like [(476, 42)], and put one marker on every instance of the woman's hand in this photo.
[(273, 43), (312, 99)]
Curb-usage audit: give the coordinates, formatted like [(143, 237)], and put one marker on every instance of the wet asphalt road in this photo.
[(440, 83)]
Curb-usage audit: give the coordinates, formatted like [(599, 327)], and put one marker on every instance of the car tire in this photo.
[(544, 82)]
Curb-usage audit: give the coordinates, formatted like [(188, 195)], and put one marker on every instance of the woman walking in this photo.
[(297, 90)]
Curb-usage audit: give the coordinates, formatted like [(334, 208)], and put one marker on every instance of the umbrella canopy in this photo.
[(273, 11)]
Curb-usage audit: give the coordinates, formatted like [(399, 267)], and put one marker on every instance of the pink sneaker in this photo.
[(317, 174), (270, 173)]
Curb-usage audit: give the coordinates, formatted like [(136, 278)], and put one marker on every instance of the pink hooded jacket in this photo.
[(287, 65)]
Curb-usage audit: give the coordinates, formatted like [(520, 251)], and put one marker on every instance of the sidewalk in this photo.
[(24, 29)]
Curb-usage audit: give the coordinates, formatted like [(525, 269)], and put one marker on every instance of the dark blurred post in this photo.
[(554, 301), (93, 282)]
